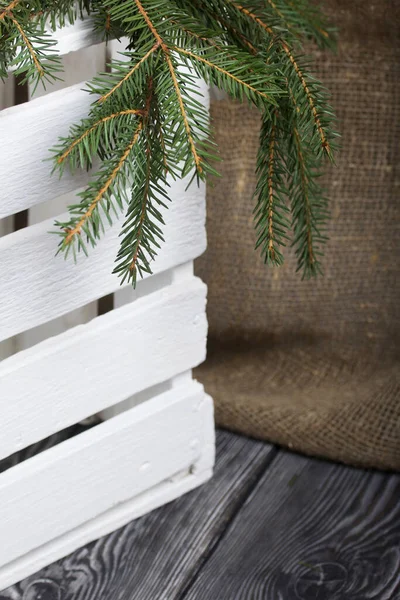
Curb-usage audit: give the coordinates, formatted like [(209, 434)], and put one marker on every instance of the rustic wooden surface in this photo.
[(271, 525)]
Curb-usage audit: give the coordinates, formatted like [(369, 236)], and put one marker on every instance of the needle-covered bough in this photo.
[(148, 123)]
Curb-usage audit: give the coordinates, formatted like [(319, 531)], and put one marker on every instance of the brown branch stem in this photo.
[(271, 193), (78, 140), (7, 10), (78, 227), (29, 46), (130, 73), (304, 184)]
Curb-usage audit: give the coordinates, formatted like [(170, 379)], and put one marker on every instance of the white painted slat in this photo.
[(36, 286), (74, 37), (31, 129), (78, 66), (78, 480), (72, 376), (121, 514), (6, 225)]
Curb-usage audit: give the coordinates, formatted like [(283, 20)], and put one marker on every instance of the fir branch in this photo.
[(324, 141), (224, 72), (234, 32), (271, 172), (160, 42), (60, 159), (150, 25), (29, 47), (252, 16), (310, 22), (142, 229), (193, 149), (309, 207), (271, 212), (70, 233), (8, 9), (150, 120), (308, 217), (130, 73), (321, 132)]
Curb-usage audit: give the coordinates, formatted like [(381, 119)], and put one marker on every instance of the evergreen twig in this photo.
[(148, 122)]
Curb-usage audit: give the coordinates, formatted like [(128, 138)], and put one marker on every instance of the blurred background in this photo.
[(313, 365)]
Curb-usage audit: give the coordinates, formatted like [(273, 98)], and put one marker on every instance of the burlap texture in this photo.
[(313, 365)]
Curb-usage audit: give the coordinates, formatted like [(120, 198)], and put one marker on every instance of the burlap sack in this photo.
[(313, 365)]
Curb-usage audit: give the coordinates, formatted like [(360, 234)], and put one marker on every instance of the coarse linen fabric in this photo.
[(314, 365)]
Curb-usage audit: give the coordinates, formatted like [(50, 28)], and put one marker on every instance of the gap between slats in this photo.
[(37, 287), (34, 128), (105, 465), (91, 367)]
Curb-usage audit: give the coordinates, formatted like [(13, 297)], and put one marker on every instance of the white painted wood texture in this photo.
[(91, 367), (31, 130), (115, 517), (77, 36), (78, 66), (34, 128), (135, 360), (37, 287), (66, 486), (6, 225)]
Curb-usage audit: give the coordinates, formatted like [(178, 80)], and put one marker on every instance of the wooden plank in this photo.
[(34, 128), (123, 512), (77, 36), (80, 479), (36, 286), (78, 66), (158, 555), (6, 225), (70, 377), (310, 530)]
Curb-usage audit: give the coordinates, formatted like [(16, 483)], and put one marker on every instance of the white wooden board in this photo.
[(74, 37), (31, 129), (80, 479), (78, 66), (34, 128), (6, 225), (91, 367), (157, 448), (37, 287), (120, 515)]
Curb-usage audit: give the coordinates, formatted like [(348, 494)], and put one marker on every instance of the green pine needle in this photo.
[(148, 122)]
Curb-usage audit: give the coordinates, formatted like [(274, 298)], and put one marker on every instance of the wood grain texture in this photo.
[(36, 286), (77, 67), (68, 485), (124, 512), (308, 530), (6, 225), (71, 376), (311, 530), (77, 36), (34, 128), (155, 557)]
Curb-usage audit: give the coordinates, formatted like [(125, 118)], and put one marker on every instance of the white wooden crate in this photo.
[(132, 365)]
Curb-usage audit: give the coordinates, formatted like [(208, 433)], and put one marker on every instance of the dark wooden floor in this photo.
[(271, 525)]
